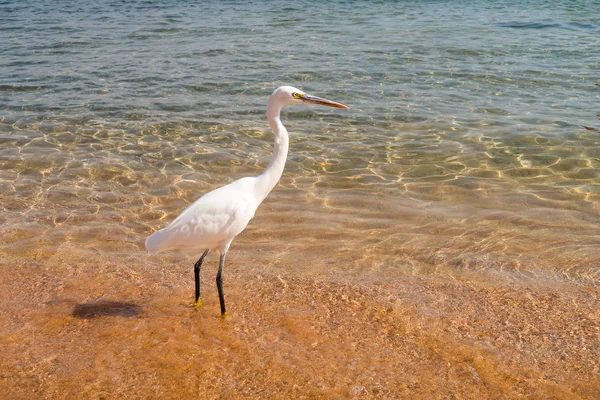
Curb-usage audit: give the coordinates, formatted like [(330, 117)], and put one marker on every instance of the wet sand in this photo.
[(77, 322)]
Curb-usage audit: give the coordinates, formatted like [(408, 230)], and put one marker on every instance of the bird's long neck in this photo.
[(269, 178)]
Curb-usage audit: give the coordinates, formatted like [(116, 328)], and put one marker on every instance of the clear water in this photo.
[(470, 154)]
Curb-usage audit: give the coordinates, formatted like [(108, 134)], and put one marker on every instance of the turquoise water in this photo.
[(472, 142)]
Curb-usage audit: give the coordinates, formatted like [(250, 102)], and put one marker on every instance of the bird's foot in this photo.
[(224, 316), (197, 304)]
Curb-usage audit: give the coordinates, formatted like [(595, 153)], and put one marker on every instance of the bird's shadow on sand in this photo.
[(105, 309)]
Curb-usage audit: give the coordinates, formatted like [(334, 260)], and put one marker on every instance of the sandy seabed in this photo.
[(93, 325)]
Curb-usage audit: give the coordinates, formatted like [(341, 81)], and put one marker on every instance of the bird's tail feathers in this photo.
[(157, 242)]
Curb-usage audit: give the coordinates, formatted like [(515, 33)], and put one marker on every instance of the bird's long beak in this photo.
[(307, 98)]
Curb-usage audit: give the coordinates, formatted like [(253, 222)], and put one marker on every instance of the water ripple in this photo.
[(117, 116)]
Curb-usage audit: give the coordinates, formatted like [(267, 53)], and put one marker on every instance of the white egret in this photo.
[(215, 219)]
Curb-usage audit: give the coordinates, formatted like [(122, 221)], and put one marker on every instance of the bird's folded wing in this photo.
[(208, 223)]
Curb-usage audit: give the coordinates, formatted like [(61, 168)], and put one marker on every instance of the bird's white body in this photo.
[(211, 222), (215, 219)]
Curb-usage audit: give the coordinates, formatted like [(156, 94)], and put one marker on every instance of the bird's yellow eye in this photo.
[(297, 95)]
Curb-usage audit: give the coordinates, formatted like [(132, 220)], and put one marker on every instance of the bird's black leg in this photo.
[(197, 267), (220, 283)]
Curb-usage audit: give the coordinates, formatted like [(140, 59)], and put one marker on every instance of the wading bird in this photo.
[(215, 219)]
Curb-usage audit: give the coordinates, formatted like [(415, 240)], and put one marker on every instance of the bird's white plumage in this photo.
[(211, 222)]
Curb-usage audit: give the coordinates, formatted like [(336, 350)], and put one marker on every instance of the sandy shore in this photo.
[(91, 325)]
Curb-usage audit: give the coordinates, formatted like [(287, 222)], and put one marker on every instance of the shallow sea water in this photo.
[(439, 239)]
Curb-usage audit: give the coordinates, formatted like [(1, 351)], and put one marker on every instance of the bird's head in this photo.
[(291, 95)]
